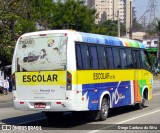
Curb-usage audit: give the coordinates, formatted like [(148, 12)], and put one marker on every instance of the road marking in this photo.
[(156, 94), (122, 122), (156, 85), (138, 117)]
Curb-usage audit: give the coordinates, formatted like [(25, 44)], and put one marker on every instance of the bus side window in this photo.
[(136, 59), (110, 57), (116, 57), (78, 57), (102, 57), (94, 57), (123, 57), (85, 57), (145, 61), (129, 59)]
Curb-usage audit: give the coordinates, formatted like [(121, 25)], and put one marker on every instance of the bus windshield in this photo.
[(46, 52)]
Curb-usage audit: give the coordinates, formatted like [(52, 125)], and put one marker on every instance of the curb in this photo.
[(6, 98), (5, 101)]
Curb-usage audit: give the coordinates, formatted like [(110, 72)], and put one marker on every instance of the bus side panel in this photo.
[(147, 81), (95, 83), (137, 95), (120, 92), (144, 80)]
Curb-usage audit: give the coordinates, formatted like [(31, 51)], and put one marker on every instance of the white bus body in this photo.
[(47, 72)]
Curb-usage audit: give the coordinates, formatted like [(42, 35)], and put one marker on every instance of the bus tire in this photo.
[(104, 109), (54, 115), (139, 105)]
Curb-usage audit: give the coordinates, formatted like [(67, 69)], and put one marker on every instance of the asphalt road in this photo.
[(150, 114)]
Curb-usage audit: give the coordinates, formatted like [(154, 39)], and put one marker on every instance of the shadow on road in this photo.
[(122, 110), (68, 121), (23, 118)]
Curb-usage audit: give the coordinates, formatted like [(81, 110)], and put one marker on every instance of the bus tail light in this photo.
[(13, 82), (69, 81)]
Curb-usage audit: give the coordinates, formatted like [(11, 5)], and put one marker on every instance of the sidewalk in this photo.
[(156, 77), (6, 98)]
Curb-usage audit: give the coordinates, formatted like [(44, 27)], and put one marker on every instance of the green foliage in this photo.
[(72, 15), (137, 26), (158, 25), (20, 16), (109, 27), (154, 28), (152, 58), (14, 16)]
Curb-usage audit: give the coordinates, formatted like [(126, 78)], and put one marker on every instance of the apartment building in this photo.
[(102, 7), (110, 10)]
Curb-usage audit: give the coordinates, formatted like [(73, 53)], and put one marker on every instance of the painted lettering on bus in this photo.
[(98, 76), (40, 78)]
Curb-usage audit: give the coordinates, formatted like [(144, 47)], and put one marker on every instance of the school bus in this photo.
[(58, 71)]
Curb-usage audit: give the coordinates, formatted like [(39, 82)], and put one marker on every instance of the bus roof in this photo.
[(109, 40), (94, 38)]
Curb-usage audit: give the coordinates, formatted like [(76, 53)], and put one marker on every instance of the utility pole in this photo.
[(130, 32), (152, 22), (119, 33), (152, 11), (158, 49), (113, 10), (144, 23)]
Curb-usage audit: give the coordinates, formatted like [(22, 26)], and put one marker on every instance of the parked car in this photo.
[(4, 86), (3, 90)]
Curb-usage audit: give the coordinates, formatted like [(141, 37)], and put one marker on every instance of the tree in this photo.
[(154, 27), (136, 26), (109, 27), (14, 21), (20, 16), (158, 25), (72, 15)]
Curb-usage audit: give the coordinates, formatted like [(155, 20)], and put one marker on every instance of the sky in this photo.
[(141, 6)]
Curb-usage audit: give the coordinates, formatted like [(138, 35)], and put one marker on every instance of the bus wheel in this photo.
[(140, 105), (104, 109), (54, 115)]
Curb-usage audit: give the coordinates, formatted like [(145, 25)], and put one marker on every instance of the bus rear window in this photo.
[(35, 53)]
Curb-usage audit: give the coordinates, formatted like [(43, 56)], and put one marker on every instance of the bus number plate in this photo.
[(39, 105)]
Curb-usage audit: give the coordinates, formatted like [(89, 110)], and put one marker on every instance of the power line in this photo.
[(141, 6), (152, 9)]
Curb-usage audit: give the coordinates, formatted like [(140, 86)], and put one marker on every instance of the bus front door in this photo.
[(137, 75)]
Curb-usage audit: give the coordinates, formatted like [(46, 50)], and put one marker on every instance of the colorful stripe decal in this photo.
[(108, 40)]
